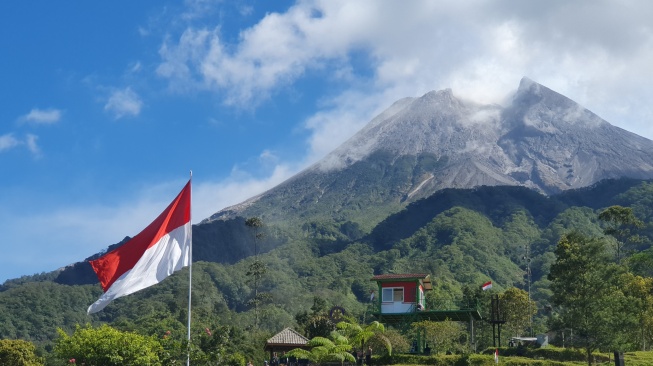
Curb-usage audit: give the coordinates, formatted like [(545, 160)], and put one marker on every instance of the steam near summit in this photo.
[(541, 140)]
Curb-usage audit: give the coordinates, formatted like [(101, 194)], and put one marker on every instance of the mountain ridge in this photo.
[(542, 140)]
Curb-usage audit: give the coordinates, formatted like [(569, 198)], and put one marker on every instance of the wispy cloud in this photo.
[(32, 146), (123, 103), (212, 196), (8, 141), (42, 116), (272, 53), (196, 9)]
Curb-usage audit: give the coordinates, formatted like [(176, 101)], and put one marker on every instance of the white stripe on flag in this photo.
[(170, 254)]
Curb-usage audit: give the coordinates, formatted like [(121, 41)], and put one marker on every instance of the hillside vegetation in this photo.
[(461, 237)]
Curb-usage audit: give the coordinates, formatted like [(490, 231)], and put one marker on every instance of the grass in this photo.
[(556, 357)]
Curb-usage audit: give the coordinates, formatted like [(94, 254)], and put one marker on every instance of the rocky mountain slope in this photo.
[(542, 140)]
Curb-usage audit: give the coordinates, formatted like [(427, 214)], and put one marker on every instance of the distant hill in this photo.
[(463, 237)]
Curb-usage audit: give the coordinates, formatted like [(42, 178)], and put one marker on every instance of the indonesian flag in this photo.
[(155, 253), (487, 285)]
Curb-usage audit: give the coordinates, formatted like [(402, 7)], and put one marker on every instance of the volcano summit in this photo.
[(542, 140)]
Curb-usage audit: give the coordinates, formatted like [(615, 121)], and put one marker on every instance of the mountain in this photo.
[(542, 140), (433, 184)]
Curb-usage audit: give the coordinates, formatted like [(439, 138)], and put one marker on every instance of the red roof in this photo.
[(426, 280)]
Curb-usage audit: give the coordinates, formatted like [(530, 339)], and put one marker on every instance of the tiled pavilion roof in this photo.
[(288, 337)]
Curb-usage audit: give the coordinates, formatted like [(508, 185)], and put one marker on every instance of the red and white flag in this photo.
[(155, 253), (496, 356), (487, 285)]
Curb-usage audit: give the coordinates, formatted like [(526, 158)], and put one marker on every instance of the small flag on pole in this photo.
[(155, 253), (487, 285), (496, 356)]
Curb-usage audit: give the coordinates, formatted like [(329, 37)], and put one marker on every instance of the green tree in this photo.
[(642, 263), (622, 226), (318, 323), (518, 310), (398, 341), (106, 346), (221, 345), (639, 293), (18, 353), (444, 336), (586, 293), (475, 298)]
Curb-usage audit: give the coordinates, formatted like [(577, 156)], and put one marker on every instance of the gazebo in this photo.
[(284, 341)]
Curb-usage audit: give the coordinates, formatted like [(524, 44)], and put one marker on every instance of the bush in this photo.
[(18, 353), (413, 359)]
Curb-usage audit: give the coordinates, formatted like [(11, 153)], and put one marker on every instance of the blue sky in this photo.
[(106, 107)]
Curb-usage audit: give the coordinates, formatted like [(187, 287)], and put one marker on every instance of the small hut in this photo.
[(284, 341), (403, 302)]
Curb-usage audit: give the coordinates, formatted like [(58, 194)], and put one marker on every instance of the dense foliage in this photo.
[(108, 347), (18, 353), (461, 237)]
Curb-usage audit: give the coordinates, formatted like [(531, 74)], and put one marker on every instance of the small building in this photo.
[(284, 341), (402, 293), (402, 301)]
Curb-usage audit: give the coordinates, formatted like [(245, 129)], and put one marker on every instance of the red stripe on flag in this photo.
[(114, 264)]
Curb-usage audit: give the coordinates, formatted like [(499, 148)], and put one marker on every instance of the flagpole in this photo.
[(190, 269)]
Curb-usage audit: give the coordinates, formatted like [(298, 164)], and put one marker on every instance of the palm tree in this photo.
[(358, 334), (325, 350)]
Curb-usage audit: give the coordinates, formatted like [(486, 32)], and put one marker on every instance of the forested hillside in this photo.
[(461, 237)]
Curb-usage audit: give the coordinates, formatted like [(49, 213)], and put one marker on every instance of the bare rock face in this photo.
[(542, 140), (561, 145)]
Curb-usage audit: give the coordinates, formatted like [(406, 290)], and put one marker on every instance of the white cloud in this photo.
[(124, 102), (32, 146), (8, 141), (42, 116), (345, 115), (272, 53), (199, 9), (210, 197), (135, 67), (268, 156)]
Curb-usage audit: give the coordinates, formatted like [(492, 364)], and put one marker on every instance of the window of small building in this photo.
[(393, 294)]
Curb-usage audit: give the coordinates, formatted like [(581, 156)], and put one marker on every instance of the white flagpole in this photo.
[(190, 268)]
